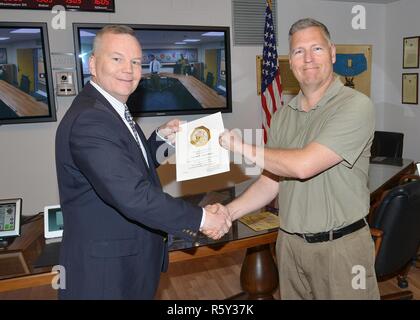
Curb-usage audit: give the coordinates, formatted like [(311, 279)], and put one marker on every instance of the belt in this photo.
[(332, 234)]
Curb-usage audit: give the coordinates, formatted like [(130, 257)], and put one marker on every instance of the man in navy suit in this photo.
[(116, 215)]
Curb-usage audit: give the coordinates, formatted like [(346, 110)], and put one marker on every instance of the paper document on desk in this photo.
[(261, 221), (198, 152)]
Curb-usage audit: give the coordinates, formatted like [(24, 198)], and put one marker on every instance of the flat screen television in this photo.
[(26, 89), (193, 75)]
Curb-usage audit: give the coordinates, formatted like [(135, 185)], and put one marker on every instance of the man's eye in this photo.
[(318, 49), (297, 52), (116, 59), (136, 62)]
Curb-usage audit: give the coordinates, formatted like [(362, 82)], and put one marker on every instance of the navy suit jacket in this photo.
[(116, 215)]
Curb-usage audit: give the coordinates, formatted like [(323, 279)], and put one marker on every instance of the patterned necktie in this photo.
[(132, 124), (130, 121)]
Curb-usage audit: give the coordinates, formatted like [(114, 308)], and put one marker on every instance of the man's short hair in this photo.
[(114, 29), (307, 23)]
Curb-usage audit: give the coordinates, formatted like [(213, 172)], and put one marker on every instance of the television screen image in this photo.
[(185, 69), (26, 92), (10, 212)]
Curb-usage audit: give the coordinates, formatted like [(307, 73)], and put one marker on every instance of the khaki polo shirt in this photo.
[(343, 121)]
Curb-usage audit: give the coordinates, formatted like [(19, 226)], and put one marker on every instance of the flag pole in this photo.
[(271, 91)]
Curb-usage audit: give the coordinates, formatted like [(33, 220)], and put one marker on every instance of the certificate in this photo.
[(410, 82), (198, 152), (411, 52)]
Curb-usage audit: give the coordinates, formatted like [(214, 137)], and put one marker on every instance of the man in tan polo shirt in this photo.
[(316, 160)]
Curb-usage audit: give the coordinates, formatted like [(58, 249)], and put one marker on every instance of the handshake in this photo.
[(217, 222)]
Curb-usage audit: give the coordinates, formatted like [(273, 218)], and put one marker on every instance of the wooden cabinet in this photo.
[(8, 72), (17, 259)]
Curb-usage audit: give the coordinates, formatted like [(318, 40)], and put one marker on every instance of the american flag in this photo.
[(271, 91)]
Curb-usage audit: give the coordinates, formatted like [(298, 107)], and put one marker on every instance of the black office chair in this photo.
[(403, 180), (396, 230), (177, 69), (187, 70), (25, 84), (387, 144), (210, 79)]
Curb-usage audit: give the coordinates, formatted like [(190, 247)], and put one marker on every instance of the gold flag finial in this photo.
[(269, 3)]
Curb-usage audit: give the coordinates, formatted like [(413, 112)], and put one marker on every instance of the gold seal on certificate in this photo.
[(200, 136)]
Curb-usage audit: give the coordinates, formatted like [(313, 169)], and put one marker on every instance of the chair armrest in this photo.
[(375, 206), (377, 237)]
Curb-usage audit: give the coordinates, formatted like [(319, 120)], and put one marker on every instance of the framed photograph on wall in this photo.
[(411, 52), (288, 81), (354, 66), (3, 56), (410, 88)]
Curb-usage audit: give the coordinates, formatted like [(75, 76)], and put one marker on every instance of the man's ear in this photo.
[(92, 65), (333, 53)]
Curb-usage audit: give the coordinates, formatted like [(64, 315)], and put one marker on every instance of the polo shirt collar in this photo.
[(331, 92)]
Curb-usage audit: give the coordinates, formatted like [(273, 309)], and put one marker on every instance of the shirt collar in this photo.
[(331, 92), (115, 103)]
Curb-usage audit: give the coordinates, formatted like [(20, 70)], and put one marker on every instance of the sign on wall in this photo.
[(71, 5)]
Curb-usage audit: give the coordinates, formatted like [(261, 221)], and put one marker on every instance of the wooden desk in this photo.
[(20, 102), (383, 177), (206, 96), (258, 266), (259, 276), (18, 257)]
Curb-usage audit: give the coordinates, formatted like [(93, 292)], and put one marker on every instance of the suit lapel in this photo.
[(90, 90)]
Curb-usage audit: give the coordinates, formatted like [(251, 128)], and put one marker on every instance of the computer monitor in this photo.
[(53, 222), (10, 213)]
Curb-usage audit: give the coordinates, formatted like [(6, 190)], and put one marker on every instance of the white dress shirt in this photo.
[(154, 66)]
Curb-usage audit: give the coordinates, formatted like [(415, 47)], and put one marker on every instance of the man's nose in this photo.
[(308, 56), (127, 67)]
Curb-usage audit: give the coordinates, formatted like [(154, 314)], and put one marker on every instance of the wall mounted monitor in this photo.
[(193, 75), (26, 89)]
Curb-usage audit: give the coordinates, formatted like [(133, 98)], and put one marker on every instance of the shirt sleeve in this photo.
[(349, 129)]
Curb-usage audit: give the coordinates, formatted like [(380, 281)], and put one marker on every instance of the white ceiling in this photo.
[(366, 1)]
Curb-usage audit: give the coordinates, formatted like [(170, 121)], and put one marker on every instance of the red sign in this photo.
[(71, 5)]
